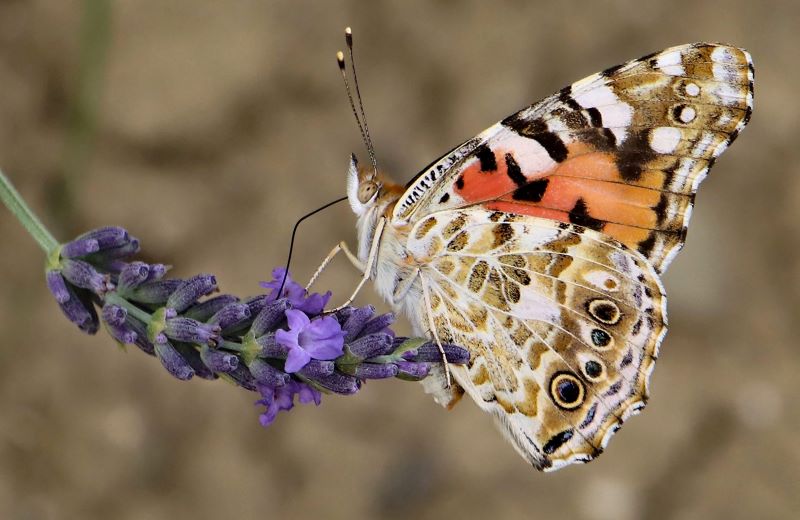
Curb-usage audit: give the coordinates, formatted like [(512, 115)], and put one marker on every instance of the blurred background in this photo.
[(206, 128)]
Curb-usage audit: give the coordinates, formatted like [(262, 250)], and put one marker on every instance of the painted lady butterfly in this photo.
[(538, 244)]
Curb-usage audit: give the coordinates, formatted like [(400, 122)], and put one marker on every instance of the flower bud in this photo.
[(218, 360), (356, 321), (190, 291), (173, 361), (82, 274), (191, 331), (204, 310)]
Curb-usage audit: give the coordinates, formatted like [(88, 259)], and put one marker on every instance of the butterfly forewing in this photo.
[(621, 152)]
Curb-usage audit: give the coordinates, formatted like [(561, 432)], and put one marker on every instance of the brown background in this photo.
[(218, 123)]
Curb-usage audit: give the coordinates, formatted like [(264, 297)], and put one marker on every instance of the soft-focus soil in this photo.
[(221, 122)]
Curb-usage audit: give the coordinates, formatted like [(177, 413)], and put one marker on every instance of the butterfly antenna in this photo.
[(348, 36), (291, 242)]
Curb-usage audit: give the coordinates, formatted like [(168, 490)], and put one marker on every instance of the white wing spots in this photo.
[(616, 114), (595, 97), (671, 63), (665, 139), (725, 55), (702, 145), (726, 73), (729, 95), (529, 154), (692, 89), (687, 114), (603, 280)]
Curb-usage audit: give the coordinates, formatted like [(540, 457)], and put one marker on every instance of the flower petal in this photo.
[(291, 289), (287, 338), (298, 321), (296, 359), (314, 303), (323, 338), (307, 394)]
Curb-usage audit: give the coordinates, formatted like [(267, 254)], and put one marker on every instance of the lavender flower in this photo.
[(282, 398), (321, 339), (279, 345), (299, 298)]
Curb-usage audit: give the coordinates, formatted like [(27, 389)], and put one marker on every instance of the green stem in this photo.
[(132, 309), (14, 202)]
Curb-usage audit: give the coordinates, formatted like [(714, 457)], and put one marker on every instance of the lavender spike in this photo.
[(283, 348)]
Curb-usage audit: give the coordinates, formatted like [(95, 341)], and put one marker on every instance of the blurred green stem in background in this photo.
[(82, 110), (14, 202)]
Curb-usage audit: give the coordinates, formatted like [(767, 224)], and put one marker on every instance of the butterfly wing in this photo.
[(621, 152), (562, 323)]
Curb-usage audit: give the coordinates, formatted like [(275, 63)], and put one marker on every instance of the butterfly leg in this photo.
[(432, 326), (341, 246), (373, 254), (353, 258)]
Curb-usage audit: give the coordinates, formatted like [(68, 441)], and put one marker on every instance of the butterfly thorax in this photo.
[(394, 269)]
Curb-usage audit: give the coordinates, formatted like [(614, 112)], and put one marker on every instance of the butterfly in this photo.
[(538, 244)]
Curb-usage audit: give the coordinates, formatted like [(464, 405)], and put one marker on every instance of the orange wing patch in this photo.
[(586, 189)]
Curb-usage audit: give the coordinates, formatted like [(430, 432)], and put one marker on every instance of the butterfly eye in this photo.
[(367, 191), (566, 390)]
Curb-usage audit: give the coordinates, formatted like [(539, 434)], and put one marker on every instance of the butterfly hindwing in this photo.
[(621, 152), (562, 324)]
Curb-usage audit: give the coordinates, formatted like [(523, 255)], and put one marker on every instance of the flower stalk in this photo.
[(16, 204)]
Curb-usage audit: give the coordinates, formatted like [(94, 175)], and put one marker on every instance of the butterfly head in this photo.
[(363, 187)]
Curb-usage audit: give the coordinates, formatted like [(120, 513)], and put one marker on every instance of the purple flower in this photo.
[(282, 398), (322, 339), (75, 303), (299, 298)]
